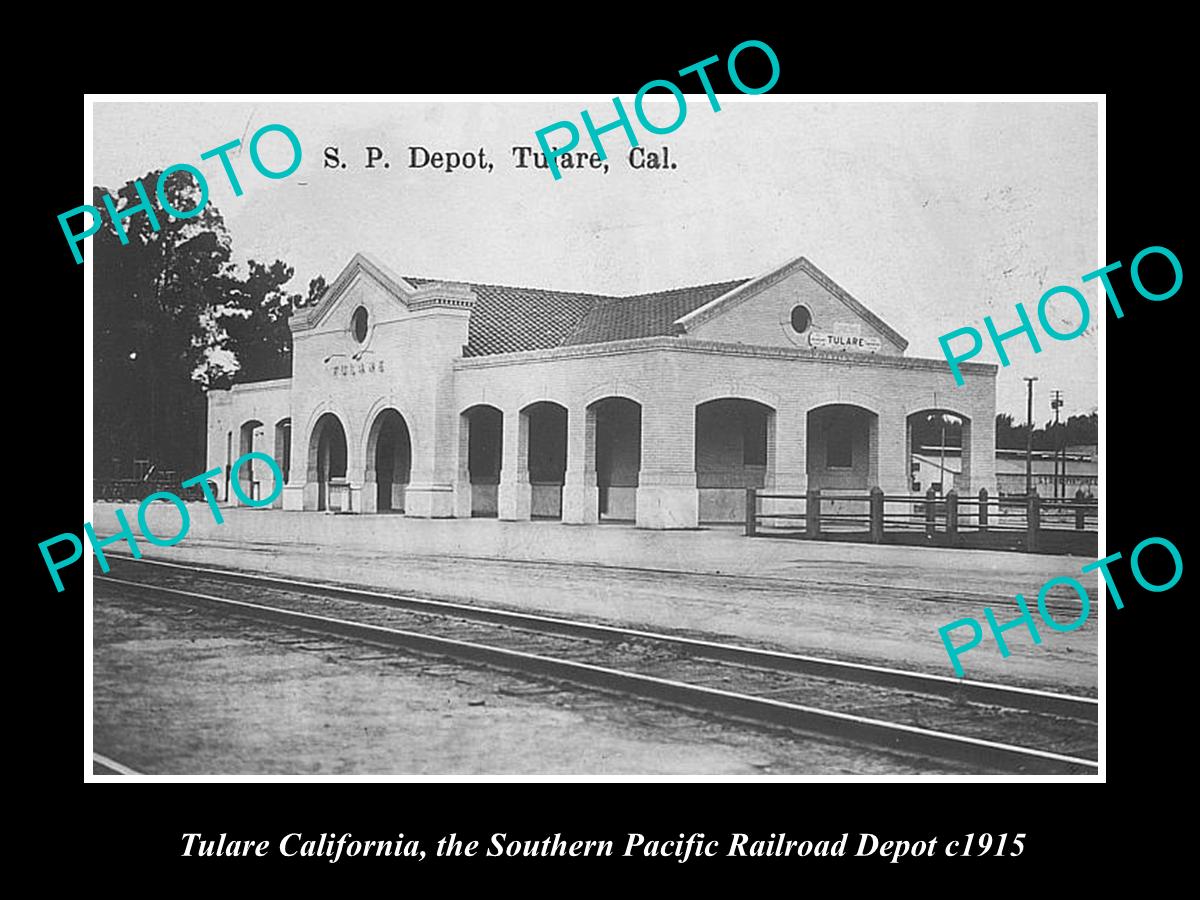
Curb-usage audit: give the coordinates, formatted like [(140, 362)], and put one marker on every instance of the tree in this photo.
[(150, 297), (1076, 430), (929, 429), (256, 324), (173, 318), (316, 288)]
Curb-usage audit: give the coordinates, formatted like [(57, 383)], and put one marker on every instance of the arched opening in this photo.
[(618, 459), (546, 457), (938, 446), (843, 448), (251, 435), (484, 428), (327, 463), (389, 461), (732, 453)]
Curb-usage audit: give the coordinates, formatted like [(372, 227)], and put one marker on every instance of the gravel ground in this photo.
[(858, 602), (179, 693)]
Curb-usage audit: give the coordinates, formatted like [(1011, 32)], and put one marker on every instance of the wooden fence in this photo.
[(133, 490), (1031, 524)]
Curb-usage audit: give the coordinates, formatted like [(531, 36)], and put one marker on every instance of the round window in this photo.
[(358, 323), (801, 319)]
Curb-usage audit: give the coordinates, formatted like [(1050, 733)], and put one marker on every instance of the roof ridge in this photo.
[(508, 287), (688, 287), (517, 287)]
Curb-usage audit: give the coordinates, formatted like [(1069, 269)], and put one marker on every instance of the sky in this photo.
[(931, 214)]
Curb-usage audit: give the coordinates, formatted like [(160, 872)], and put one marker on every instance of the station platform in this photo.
[(862, 602)]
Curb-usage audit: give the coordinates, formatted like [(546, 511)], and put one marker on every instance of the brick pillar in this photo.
[(581, 497), (894, 458), (462, 474), (667, 496), (787, 464), (355, 474), (983, 447), (515, 494), (294, 490)]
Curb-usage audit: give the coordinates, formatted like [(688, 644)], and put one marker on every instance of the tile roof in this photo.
[(646, 315), (510, 319)]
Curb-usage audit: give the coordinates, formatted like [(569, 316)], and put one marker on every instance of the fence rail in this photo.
[(133, 490), (1031, 524)]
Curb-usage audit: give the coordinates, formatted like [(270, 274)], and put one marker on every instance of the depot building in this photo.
[(446, 399)]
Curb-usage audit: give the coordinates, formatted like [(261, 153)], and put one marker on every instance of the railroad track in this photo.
[(110, 766), (850, 589), (989, 726)]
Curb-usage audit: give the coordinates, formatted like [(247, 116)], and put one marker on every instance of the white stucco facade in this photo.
[(400, 401)]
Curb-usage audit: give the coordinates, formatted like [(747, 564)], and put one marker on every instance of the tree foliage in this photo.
[(927, 431), (174, 316), (1075, 430), (316, 288)]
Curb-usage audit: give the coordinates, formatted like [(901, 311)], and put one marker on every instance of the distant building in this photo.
[(937, 468), (933, 468), (1081, 473)]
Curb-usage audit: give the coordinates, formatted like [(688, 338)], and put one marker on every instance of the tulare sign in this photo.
[(825, 340)]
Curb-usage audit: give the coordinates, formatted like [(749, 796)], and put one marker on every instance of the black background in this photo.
[(1148, 458)]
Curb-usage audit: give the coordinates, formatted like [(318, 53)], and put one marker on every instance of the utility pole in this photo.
[(1029, 438), (1056, 403)]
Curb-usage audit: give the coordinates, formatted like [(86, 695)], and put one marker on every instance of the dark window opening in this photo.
[(839, 445), (359, 323), (547, 444), (754, 440), (801, 319), (484, 446)]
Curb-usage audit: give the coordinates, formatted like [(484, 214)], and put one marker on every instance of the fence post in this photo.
[(877, 515), (952, 517), (751, 512), (983, 509), (930, 513), (1033, 521), (812, 513)]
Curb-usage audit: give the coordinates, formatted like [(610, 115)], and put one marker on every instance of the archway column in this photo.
[(983, 451), (515, 494), (667, 496), (355, 477), (293, 496), (892, 463), (426, 498), (370, 488), (581, 497), (293, 488), (462, 470), (787, 465)]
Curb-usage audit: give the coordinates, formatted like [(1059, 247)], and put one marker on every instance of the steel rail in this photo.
[(1012, 697), (112, 765), (755, 710), (654, 570)]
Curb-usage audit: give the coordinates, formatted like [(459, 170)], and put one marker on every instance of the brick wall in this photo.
[(411, 361)]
